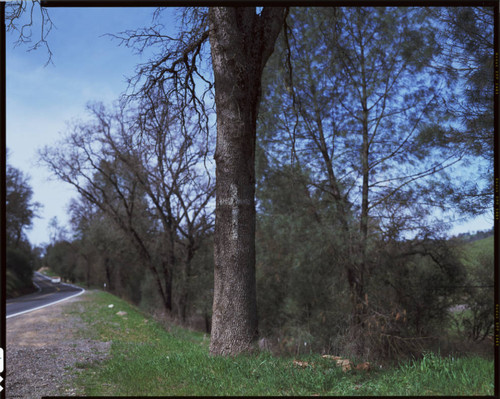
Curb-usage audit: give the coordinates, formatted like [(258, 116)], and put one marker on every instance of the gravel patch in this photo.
[(45, 352)]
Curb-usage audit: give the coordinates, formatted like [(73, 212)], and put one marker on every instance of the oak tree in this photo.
[(241, 40)]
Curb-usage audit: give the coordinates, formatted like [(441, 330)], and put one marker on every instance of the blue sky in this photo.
[(41, 99), (87, 67)]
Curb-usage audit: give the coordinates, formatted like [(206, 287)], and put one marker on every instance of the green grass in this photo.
[(145, 359), (473, 251), (483, 245)]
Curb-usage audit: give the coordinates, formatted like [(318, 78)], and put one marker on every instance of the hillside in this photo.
[(479, 254), (481, 245), (478, 235)]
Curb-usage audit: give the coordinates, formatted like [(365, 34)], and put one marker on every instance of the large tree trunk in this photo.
[(241, 42)]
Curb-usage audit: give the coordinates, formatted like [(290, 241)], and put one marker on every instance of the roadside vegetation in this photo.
[(21, 257), (149, 358)]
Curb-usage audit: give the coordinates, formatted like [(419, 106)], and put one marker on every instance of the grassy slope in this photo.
[(475, 248), (146, 359)]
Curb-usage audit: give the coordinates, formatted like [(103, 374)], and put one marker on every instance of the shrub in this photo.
[(19, 272)]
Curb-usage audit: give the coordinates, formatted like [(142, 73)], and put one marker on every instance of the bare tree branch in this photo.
[(20, 17)]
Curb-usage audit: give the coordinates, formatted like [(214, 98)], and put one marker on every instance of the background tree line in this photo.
[(368, 118), (21, 257)]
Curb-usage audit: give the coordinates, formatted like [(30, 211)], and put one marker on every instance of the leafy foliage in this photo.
[(61, 258), (360, 104), (478, 317), (19, 265), (20, 209), (21, 258), (300, 297)]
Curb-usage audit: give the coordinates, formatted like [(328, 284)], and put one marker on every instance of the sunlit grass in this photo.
[(146, 359)]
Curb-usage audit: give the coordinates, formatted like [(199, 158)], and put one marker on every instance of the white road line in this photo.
[(49, 304)]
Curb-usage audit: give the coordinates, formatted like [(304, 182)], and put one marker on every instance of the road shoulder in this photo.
[(45, 350)]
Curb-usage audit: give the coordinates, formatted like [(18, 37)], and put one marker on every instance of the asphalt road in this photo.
[(48, 294)]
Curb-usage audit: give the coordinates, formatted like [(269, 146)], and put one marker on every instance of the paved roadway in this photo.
[(48, 294)]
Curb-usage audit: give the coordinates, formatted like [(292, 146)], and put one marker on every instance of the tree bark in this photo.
[(107, 268), (365, 154), (167, 296), (241, 42), (358, 289)]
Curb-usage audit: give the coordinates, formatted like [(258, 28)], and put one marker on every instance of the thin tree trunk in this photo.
[(186, 276), (107, 268), (167, 295), (361, 308), (358, 289)]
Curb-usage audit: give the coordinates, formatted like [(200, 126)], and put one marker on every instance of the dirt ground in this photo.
[(45, 352)]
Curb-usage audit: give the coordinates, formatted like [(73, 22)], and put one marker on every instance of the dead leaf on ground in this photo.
[(346, 364), (365, 366), (302, 364)]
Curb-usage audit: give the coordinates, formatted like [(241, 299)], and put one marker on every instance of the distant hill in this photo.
[(479, 235)]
